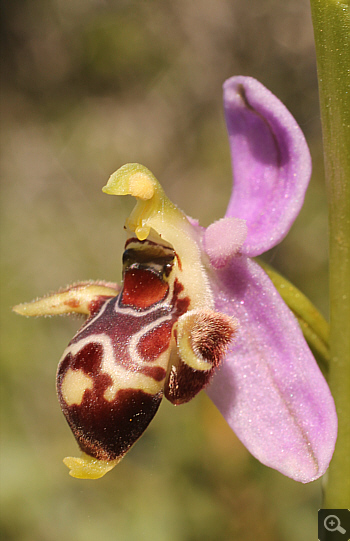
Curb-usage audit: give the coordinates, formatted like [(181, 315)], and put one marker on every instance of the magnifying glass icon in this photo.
[(332, 524)]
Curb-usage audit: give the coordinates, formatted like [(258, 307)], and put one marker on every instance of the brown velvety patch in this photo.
[(106, 430), (211, 334)]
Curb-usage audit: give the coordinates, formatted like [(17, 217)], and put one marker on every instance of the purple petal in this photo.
[(270, 160), (270, 389)]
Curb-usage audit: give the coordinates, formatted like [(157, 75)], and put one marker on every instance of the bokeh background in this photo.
[(88, 85)]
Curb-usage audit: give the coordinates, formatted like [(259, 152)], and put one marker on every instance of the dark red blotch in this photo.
[(143, 288)]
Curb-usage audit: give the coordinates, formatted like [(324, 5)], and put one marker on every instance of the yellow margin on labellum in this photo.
[(74, 385)]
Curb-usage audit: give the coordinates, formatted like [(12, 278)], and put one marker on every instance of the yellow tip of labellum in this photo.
[(87, 467)]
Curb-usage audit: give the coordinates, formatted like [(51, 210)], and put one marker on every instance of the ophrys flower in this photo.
[(194, 311)]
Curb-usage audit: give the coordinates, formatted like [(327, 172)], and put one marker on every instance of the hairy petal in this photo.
[(223, 239), (270, 160), (79, 298), (269, 388)]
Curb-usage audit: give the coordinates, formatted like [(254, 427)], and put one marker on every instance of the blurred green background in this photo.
[(87, 86)]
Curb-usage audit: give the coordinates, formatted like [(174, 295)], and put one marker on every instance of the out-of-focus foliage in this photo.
[(89, 85)]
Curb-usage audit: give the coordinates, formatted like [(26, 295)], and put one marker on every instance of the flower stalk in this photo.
[(331, 20)]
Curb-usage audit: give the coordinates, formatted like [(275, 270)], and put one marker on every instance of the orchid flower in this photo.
[(195, 311)]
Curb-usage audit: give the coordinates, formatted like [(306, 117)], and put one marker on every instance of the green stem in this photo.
[(331, 20)]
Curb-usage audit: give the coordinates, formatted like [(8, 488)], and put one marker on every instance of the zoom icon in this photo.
[(333, 524)]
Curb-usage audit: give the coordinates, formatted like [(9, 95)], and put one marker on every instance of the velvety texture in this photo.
[(223, 239)]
